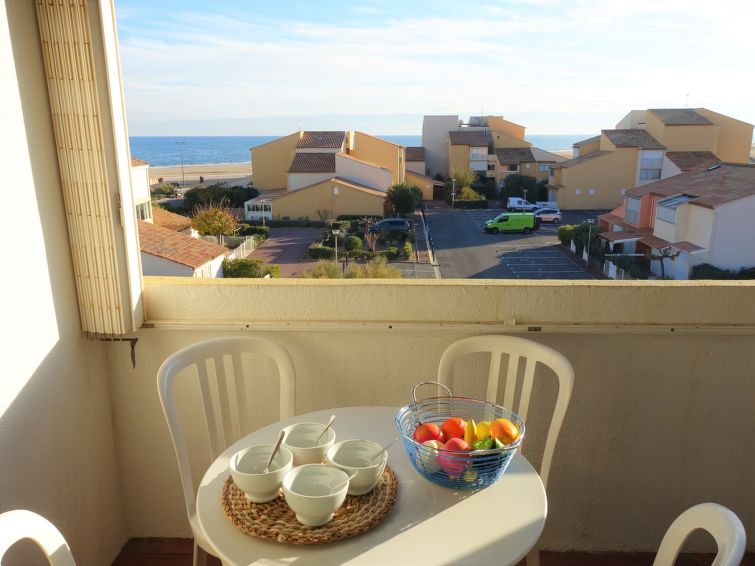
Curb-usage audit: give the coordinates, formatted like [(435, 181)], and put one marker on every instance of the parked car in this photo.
[(518, 203), (548, 215), (512, 222), (391, 224)]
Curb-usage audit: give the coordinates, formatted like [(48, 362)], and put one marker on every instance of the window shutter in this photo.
[(93, 160)]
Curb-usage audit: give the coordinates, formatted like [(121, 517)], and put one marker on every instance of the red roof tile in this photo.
[(692, 160), (321, 140), (313, 163), (137, 162), (679, 116), (474, 138), (414, 153), (177, 247), (710, 187), (514, 155), (170, 220)]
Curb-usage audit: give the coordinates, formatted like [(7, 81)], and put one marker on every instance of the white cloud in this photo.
[(524, 57)]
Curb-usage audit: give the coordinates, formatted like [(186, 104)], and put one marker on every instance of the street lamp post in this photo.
[(181, 149), (336, 231), (590, 222)]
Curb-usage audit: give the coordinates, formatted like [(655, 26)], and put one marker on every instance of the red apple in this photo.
[(454, 464), (427, 431), (454, 427)]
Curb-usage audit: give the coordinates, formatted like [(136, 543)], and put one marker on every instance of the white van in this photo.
[(517, 203)]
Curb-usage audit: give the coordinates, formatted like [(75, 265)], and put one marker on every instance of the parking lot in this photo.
[(464, 250)]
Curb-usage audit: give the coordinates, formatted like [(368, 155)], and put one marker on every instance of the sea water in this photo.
[(167, 150)]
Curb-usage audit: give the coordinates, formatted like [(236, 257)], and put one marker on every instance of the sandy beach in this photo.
[(232, 173)]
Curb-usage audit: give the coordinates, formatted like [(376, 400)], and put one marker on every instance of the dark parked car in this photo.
[(391, 224)]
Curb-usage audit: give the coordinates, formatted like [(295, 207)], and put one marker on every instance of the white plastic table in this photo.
[(428, 524)]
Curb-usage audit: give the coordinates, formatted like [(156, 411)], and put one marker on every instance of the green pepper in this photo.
[(483, 444)]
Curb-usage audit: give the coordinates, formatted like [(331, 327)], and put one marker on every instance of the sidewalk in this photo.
[(421, 245)]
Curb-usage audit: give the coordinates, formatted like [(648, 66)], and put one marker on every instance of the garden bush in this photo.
[(357, 217), (246, 229), (408, 250), (317, 251), (249, 268), (390, 253), (353, 243), (566, 234), (708, 271)]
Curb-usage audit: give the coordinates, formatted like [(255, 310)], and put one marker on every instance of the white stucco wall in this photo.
[(435, 141), (669, 168), (213, 268), (156, 265), (140, 184), (734, 234), (56, 432), (363, 173), (298, 180), (634, 119)]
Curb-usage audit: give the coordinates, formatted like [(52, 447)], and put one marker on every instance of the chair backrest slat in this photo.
[(519, 351), (232, 418), (20, 524)]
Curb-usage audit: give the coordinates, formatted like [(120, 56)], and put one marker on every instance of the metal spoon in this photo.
[(340, 485), (278, 442), (327, 426), (379, 453)]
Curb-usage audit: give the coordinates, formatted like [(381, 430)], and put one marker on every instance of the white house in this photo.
[(140, 187), (167, 252)]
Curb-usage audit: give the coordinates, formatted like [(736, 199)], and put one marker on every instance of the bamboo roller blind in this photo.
[(89, 203)]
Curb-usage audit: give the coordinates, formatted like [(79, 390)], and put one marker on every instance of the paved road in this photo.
[(286, 247), (463, 250)]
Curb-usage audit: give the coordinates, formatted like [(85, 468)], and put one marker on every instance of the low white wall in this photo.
[(155, 265), (732, 245), (658, 420), (140, 184)]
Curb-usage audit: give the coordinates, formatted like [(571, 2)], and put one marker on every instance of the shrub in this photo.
[(353, 243), (235, 196), (637, 267), (390, 253), (375, 269), (486, 187), (361, 254), (357, 217), (408, 250), (249, 268), (404, 198), (708, 271), (325, 270), (566, 234), (214, 219), (318, 251), (467, 193), (250, 230)]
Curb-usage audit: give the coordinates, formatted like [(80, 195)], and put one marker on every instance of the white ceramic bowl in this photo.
[(307, 490), (351, 456), (300, 438), (247, 467)]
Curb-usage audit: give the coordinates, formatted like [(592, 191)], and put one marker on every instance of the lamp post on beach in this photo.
[(181, 149)]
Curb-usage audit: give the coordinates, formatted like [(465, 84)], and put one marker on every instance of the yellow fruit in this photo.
[(483, 429), (504, 430), (470, 432)]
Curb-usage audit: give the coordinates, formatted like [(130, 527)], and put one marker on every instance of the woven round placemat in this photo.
[(275, 521)]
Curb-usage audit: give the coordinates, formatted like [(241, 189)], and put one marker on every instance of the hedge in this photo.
[(317, 251), (249, 268), (708, 271)]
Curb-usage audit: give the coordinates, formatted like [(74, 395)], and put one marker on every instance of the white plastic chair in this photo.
[(531, 353), (228, 425), (20, 524), (719, 521)]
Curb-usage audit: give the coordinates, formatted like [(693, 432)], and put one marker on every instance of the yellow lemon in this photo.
[(483, 429), (470, 432)]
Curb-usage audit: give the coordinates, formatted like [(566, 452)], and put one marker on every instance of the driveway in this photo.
[(286, 247)]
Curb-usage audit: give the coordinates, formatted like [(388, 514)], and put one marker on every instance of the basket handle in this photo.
[(421, 383)]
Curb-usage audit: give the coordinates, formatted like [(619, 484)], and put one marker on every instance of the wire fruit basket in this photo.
[(457, 470)]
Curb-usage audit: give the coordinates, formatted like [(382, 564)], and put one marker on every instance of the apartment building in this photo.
[(645, 147), (488, 145), (323, 174), (703, 215)]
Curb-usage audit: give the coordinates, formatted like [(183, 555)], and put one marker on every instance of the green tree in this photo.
[(404, 198), (517, 185), (234, 196), (214, 219), (467, 193), (464, 178)]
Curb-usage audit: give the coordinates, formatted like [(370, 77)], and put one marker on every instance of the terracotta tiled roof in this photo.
[(317, 140), (655, 242), (622, 235), (170, 220), (137, 162), (414, 153), (180, 248), (692, 160), (542, 156), (633, 138), (624, 225), (512, 155), (313, 163), (687, 247), (474, 138), (581, 159), (679, 116), (710, 187), (588, 141)]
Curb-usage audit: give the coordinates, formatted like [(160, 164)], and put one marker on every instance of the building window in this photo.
[(544, 168), (650, 174), (650, 168), (623, 192), (144, 211), (667, 214), (577, 192), (632, 213), (514, 167), (591, 192)]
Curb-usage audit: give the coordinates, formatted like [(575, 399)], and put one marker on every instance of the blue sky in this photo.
[(237, 67)]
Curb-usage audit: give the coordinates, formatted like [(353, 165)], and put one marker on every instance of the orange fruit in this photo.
[(504, 430), (453, 427)]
